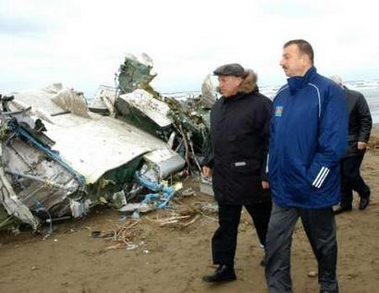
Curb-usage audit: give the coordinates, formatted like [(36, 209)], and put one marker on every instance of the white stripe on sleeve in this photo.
[(321, 177)]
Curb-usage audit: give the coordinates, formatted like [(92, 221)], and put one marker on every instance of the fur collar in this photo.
[(249, 83)]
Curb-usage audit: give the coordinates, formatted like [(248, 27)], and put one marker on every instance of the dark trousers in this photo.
[(351, 180), (320, 228), (224, 240)]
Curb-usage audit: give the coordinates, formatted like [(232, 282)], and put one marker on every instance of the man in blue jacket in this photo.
[(308, 139)]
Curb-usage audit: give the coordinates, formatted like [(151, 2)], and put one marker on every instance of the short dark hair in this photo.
[(303, 46)]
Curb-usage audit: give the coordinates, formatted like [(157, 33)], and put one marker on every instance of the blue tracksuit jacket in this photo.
[(308, 139)]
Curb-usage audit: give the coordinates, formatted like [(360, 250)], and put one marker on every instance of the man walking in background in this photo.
[(308, 140), (360, 124), (240, 122)]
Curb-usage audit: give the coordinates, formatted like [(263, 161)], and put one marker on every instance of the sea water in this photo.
[(369, 88)]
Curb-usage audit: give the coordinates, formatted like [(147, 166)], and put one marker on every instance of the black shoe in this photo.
[(364, 202), (342, 209), (328, 291), (222, 274)]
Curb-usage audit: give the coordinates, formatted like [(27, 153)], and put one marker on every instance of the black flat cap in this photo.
[(233, 69)]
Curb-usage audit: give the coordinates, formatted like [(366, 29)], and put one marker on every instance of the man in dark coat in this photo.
[(239, 133), (360, 124)]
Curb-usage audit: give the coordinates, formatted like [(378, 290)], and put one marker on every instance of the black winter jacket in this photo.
[(360, 121), (240, 136)]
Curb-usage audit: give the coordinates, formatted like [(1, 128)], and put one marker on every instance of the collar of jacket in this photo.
[(249, 83), (239, 96), (298, 82)]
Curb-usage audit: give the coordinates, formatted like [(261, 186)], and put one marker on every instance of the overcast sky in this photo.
[(82, 43)]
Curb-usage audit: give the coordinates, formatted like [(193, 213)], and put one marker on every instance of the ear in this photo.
[(239, 80), (305, 59)]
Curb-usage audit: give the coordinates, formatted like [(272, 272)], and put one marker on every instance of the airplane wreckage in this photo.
[(60, 156)]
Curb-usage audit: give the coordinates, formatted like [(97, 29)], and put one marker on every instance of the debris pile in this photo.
[(130, 148)]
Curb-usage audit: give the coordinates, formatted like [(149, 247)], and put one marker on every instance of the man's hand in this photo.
[(207, 172), (361, 145), (265, 185)]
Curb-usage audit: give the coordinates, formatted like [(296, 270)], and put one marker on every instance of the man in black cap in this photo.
[(239, 133)]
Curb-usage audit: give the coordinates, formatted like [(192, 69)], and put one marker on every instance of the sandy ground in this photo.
[(153, 254)]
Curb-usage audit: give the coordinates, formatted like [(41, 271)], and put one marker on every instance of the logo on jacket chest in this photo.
[(278, 111)]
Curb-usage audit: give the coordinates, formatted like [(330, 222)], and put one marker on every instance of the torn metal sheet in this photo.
[(11, 203), (208, 91), (34, 179), (181, 119), (141, 207), (90, 145), (135, 72), (70, 101), (164, 161), (104, 101), (144, 103)]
